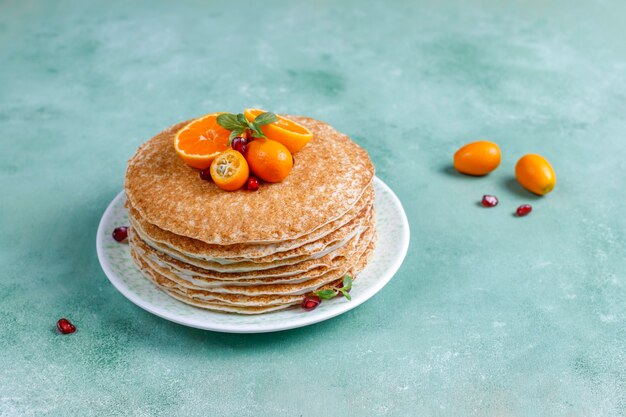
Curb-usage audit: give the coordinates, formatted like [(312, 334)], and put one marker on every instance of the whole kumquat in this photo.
[(269, 160), (535, 173), (477, 158)]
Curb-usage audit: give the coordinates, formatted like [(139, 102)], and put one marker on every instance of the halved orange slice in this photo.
[(291, 134), (201, 141), (229, 170)]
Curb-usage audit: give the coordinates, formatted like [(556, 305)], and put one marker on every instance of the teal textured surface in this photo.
[(489, 315)]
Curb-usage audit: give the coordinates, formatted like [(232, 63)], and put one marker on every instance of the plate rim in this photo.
[(378, 285)]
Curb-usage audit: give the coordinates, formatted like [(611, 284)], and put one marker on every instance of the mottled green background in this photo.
[(490, 315)]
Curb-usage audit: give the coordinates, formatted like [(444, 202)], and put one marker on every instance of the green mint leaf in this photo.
[(347, 282), (242, 120), (256, 132), (265, 118), (228, 121), (345, 294), (326, 294)]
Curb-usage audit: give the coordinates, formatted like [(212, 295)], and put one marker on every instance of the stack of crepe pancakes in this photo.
[(252, 252)]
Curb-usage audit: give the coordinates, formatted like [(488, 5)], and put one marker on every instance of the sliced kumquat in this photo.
[(229, 170), (200, 141), (292, 135)]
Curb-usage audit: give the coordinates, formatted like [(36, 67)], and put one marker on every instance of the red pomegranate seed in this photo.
[(252, 184), (489, 200), (524, 209), (120, 233), (239, 144), (65, 326), (205, 174), (311, 302)]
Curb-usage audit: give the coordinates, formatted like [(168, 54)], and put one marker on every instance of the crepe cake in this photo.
[(252, 252)]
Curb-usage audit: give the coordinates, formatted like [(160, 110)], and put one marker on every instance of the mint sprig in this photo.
[(330, 293), (238, 124)]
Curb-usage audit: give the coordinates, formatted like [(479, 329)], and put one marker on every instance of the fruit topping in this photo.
[(229, 170), (205, 174), (239, 144), (292, 135), (269, 160), (200, 141), (252, 184)]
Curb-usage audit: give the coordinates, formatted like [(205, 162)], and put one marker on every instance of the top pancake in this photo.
[(328, 178)]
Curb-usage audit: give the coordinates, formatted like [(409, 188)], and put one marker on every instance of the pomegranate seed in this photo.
[(205, 174), (310, 302), (239, 144), (252, 184), (65, 326), (524, 209), (489, 200), (120, 233)]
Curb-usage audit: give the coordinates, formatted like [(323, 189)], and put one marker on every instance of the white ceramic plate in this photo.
[(391, 248)]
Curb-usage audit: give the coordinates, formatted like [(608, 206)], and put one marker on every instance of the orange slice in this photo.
[(201, 141), (229, 170), (291, 134)]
